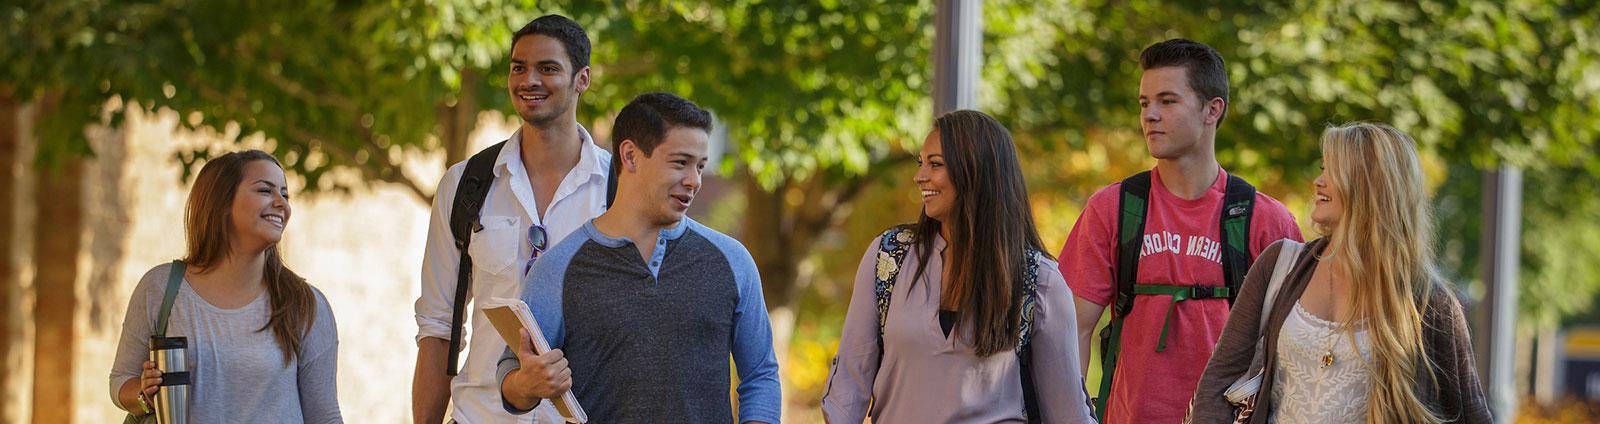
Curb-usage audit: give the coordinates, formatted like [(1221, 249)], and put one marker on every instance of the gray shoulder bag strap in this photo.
[(1242, 393), (173, 281)]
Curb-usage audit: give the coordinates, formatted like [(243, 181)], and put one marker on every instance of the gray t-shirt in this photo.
[(237, 373)]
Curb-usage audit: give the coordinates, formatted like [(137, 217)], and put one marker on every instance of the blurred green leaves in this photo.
[(824, 91), (1477, 83), (805, 87)]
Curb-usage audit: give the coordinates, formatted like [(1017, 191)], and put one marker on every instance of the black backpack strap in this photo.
[(1133, 202), (174, 279), (1029, 295), (612, 174), (1237, 205), (464, 214)]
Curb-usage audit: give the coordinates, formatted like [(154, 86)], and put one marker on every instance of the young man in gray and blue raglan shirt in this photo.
[(642, 332)]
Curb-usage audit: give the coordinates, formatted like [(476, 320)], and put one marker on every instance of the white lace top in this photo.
[(1305, 391)]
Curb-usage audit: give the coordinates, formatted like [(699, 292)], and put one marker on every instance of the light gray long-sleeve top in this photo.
[(238, 374), (925, 376)]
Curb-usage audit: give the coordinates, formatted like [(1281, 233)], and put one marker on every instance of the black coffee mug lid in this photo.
[(164, 343)]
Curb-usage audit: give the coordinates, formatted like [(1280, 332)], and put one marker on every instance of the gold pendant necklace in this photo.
[(1328, 358)]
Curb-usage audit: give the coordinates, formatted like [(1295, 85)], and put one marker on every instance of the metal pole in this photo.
[(1501, 244), (957, 51)]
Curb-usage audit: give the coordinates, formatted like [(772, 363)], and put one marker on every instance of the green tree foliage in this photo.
[(333, 82), (803, 87), (823, 99), (806, 87), (1477, 83)]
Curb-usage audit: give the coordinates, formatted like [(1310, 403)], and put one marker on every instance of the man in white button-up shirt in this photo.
[(549, 174)]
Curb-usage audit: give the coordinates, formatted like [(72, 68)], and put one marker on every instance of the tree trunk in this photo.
[(10, 284), (57, 245), (766, 232), (1548, 373), (781, 226), (457, 121), (108, 222)]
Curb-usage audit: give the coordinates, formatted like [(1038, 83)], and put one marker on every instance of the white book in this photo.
[(509, 316)]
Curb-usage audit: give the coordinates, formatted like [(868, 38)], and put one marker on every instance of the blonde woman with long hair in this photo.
[(1360, 329)]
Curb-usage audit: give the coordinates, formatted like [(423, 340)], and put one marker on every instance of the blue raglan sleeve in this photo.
[(759, 397), (541, 290)]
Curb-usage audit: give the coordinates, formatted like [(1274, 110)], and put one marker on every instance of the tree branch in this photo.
[(383, 170), (294, 88), (832, 214), (390, 174)]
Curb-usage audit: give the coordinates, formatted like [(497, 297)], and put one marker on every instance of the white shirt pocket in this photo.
[(495, 248)]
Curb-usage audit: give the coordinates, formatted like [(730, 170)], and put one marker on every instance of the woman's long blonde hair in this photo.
[(1383, 243)]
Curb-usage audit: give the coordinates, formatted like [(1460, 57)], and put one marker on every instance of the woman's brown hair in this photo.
[(991, 229), (208, 227)]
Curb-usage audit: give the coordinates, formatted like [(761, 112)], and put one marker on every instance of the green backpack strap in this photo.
[(1133, 205), (1133, 202), (1179, 294), (1237, 205), (174, 279)]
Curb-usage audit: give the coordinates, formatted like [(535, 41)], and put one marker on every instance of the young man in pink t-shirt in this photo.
[(1166, 336)]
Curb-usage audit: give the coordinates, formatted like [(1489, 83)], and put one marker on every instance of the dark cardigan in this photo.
[(1458, 396)]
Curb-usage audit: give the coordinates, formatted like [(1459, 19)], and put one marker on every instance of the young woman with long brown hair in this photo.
[(960, 317), (262, 343), (1360, 329)]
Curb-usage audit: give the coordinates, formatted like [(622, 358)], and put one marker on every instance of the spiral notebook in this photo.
[(511, 315)]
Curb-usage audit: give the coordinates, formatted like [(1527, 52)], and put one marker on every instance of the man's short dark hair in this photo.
[(569, 33), (1207, 75), (646, 119)]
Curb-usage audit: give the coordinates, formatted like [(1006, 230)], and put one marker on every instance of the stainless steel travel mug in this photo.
[(172, 400)]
